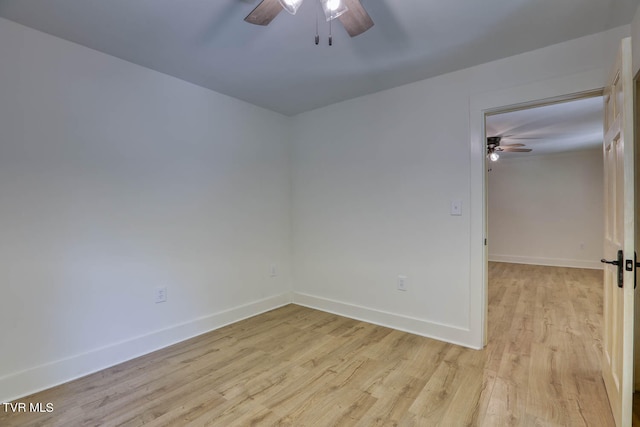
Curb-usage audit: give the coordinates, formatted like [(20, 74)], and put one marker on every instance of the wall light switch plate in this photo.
[(456, 207), (402, 283), (161, 295)]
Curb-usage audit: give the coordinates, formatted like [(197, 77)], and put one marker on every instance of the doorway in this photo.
[(545, 184), (544, 214), (546, 91), (554, 90)]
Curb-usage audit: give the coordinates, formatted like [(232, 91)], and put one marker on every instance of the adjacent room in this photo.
[(545, 198), (272, 212), (545, 238)]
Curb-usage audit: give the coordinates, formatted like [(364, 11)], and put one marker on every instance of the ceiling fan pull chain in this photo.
[(330, 35), (317, 34)]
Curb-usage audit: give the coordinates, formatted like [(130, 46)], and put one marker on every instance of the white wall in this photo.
[(547, 210), (114, 180), (374, 177)]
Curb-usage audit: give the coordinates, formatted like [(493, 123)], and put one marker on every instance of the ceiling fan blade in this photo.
[(520, 137), (356, 20), (516, 150), (264, 12), (512, 145)]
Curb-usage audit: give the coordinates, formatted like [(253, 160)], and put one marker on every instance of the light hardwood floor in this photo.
[(295, 366)]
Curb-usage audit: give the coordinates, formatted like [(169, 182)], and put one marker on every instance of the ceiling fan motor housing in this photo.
[(494, 140)]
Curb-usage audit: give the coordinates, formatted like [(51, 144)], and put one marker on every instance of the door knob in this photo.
[(619, 263)]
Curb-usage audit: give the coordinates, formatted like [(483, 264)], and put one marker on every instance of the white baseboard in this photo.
[(552, 262), (24, 383), (441, 332)]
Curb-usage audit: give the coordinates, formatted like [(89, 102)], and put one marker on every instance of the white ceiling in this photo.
[(556, 128), (278, 67)]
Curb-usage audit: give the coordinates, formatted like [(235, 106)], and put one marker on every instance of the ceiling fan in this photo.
[(494, 147), (354, 18)]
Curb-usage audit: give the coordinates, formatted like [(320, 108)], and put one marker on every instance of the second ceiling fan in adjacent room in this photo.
[(351, 14), (494, 147)]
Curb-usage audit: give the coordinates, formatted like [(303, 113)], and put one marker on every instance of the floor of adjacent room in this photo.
[(298, 366)]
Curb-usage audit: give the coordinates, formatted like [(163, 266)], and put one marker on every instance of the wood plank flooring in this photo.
[(295, 366)]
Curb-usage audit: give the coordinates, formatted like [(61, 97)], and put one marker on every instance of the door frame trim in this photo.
[(574, 86)]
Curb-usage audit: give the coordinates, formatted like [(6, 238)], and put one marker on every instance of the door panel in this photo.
[(618, 308)]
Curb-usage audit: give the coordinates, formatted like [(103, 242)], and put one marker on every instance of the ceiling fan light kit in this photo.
[(333, 8), (291, 6), (352, 15)]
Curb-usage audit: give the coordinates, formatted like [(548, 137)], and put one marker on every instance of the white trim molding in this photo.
[(552, 262), (550, 90), (425, 328), (24, 383)]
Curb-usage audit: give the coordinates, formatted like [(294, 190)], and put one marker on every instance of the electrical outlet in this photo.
[(402, 283), (456, 208), (161, 295), (274, 271)]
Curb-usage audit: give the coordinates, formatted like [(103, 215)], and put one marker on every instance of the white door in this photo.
[(617, 357)]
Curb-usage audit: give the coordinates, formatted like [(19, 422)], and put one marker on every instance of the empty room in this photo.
[(246, 212)]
